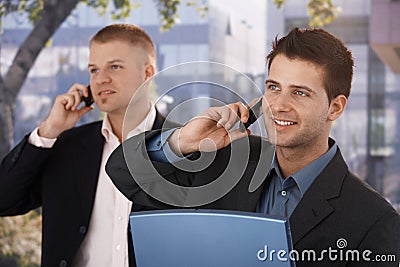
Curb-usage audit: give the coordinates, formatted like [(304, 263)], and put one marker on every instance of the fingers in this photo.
[(227, 117), (237, 134), (232, 113), (67, 100), (244, 112), (71, 100), (84, 110), (252, 102), (74, 96), (215, 142), (85, 90)]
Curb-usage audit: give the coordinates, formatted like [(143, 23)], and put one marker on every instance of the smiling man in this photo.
[(309, 80), (61, 167)]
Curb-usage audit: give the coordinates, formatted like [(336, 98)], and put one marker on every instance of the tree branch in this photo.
[(54, 13)]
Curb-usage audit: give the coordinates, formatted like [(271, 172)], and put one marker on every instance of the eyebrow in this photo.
[(302, 87), (108, 62)]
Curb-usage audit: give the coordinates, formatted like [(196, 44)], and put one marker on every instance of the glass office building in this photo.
[(231, 33)]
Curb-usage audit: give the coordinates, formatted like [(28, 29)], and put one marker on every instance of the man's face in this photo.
[(117, 69), (298, 104)]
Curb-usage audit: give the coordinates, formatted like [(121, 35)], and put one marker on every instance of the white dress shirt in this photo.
[(105, 243)]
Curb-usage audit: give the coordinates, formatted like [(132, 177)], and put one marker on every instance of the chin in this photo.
[(282, 142)]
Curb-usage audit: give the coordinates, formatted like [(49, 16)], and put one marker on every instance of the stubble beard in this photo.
[(300, 140)]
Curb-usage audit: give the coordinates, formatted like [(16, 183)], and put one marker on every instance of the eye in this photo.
[(300, 93), (273, 87), (93, 71), (115, 67)]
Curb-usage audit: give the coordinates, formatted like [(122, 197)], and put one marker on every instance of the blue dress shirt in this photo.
[(159, 150), (281, 196)]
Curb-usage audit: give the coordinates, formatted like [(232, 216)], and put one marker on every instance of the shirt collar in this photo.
[(106, 129), (275, 167), (145, 125), (306, 176)]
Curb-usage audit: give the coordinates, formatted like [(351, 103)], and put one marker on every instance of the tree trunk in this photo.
[(53, 14), (6, 129)]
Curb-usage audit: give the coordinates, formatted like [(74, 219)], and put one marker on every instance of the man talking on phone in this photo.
[(60, 167), (307, 88)]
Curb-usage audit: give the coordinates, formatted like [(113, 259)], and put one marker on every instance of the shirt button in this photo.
[(82, 229), (159, 143), (119, 218), (118, 247), (63, 263), (283, 193)]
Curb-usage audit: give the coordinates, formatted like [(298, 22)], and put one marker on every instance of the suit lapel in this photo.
[(314, 207), (159, 120), (87, 163), (310, 211), (162, 123)]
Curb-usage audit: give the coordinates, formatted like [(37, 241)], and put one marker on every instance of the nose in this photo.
[(279, 102), (102, 77)]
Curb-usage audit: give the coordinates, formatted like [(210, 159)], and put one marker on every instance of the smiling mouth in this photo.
[(284, 123), (107, 92)]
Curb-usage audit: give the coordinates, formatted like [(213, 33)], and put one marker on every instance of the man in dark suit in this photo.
[(335, 218), (61, 167)]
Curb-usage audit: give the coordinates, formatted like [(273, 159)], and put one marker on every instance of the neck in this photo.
[(116, 123), (293, 159), (136, 115)]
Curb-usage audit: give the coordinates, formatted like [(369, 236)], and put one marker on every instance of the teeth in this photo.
[(105, 92), (284, 123)]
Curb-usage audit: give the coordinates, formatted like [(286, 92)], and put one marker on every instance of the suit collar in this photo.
[(163, 123), (158, 122), (314, 206)]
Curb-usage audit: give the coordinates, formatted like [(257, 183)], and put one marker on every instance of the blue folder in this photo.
[(191, 238)]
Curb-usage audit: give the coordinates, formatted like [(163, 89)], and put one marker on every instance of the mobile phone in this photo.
[(88, 100), (255, 113)]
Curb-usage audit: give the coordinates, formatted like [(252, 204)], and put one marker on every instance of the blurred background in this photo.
[(236, 33)]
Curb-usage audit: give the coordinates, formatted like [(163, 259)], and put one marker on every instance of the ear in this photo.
[(336, 107), (149, 71)]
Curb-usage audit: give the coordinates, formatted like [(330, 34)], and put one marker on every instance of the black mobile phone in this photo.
[(255, 113), (88, 100)]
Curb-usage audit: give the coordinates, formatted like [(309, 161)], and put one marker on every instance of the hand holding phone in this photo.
[(88, 100), (255, 112)]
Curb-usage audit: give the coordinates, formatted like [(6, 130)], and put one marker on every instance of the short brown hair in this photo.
[(323, 49), (126, 32)]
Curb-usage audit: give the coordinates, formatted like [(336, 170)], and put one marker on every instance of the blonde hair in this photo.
[(129, 33)]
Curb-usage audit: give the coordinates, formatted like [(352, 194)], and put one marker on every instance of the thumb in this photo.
[(84, 110)]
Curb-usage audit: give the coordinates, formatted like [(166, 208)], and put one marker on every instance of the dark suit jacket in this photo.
[(63, 180), (337, 206)]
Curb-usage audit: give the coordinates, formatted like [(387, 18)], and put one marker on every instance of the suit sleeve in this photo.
[(20, 178), (139, 179), (381, 244), (226, 172)]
